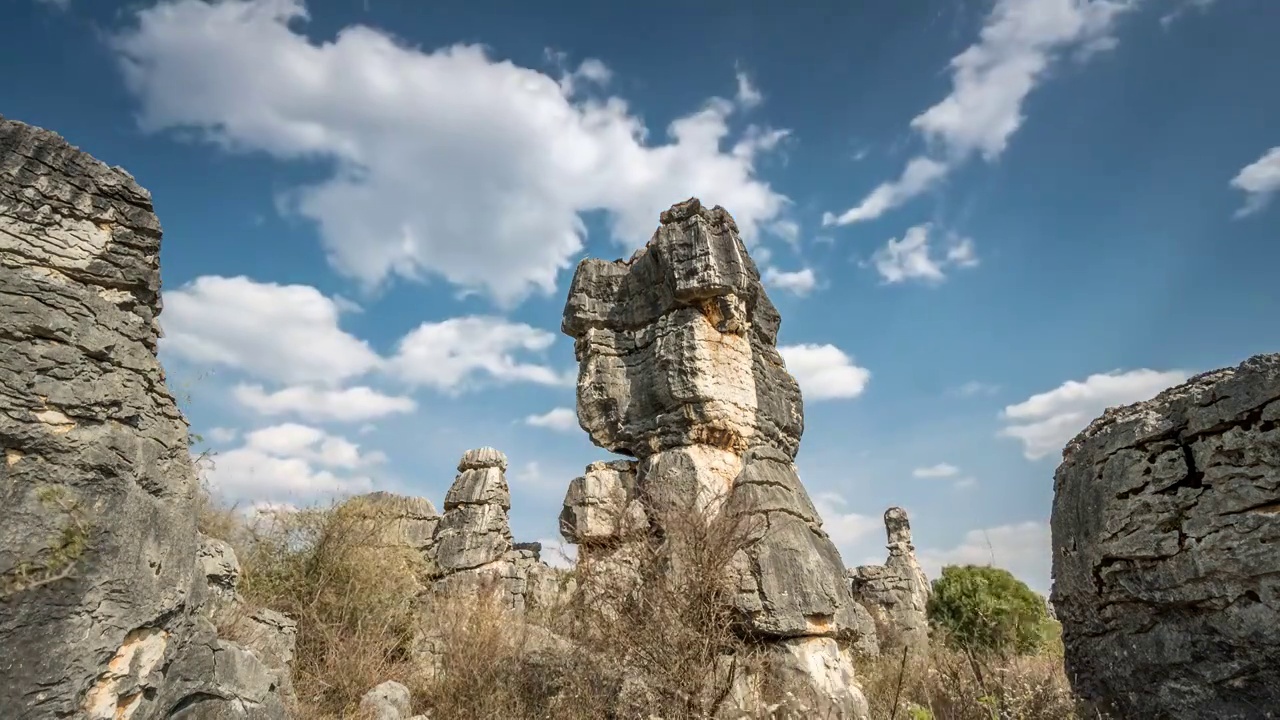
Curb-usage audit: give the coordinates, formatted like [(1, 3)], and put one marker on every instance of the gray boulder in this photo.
[(1166, 550)]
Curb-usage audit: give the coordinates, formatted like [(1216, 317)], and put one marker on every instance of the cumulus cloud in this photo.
[(560, 419), (291, 462), (446, 163), (1047, 421), (941, 470), (825, 372), (1019, 42), (845, 528), (915, 258), (798, 282), (287, 333), (1021, 548), (460, 352), (354, 404), (1260, 181)]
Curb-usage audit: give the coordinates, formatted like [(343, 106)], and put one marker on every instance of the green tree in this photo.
[(987, 610)]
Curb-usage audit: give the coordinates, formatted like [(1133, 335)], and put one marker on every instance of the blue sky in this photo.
[(983, 223)]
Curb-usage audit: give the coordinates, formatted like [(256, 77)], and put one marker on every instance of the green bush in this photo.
[(987, 610)]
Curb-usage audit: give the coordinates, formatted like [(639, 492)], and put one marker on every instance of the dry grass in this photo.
[(948, 684), (660, 642)]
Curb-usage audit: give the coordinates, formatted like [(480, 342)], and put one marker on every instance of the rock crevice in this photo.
[(1164, 529)]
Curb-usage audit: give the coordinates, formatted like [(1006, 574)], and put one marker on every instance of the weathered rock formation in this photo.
[(896, 593), (473, 544), (101, 589), (678, 368), (1166, 538), (397, 531)]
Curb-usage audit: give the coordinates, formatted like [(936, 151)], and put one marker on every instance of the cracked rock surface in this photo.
[(679, 368), (1166, 538), (100, 583)]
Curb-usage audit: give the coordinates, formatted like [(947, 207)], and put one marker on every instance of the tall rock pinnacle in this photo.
[(679, 368)]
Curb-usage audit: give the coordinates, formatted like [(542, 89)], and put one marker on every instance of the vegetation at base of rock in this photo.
[(986, 610), (948, 684)]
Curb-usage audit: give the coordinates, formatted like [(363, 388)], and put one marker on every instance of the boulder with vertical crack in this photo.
[(1166, 550)]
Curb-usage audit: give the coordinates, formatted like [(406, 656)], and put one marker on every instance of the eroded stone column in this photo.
[(679, 368)]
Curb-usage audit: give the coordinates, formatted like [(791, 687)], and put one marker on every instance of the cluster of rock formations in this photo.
[(109, 598), (1166, 517), (470, 547), (1166, 540)]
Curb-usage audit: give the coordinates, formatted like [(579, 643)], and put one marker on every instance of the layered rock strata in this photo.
[(897, 592), (101, 589), (679, 368), (473, 544), (1166, 550)]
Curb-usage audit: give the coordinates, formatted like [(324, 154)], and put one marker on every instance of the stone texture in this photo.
[(388, 701), (475, 530), (100, 575), (473, 546), (679, 368), (896, 593), (1166, 525)]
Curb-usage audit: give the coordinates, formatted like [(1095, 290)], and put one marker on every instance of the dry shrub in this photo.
[(671, 623), (947, 684), (357, 617)]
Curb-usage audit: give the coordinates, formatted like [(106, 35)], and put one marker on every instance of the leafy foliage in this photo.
[(986, 610)]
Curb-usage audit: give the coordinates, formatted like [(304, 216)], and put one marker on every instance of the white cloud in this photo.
[(354, 404), (748, 95), (825, 372), (1020, 40), (447, 163), (913, 257), (59, 4), (1185, 6), (1044, 423), (798, 282), (532, 475), (561, 419), (976, 387), (222, 435), (845, 528), (287, 333), (291, 462), (558, 553), (1021, 548), (920, 174), (941, 470), (454, 354), (1260, 181), (965, 483)]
